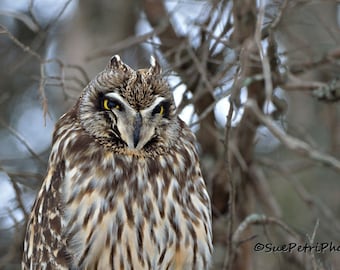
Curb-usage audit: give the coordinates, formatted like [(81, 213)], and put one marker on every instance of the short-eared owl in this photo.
[(124, 188)]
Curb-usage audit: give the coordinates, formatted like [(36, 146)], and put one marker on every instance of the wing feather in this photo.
[(44, 246)]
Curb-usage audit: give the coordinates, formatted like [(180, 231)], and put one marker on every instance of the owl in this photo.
[(124, 188)]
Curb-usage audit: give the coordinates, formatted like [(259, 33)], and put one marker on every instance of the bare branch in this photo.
[(263, 192), (311, 241), (27, 20), (231, 188), (292, 143), (22, 140), (32, 15), (259, 219), (286, 172), (25, 48), (42, 91), (18, 196), (264, 58), (60, 13), (127, 43), (279, 14)]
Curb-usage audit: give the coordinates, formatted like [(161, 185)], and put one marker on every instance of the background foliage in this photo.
[(257, 81)]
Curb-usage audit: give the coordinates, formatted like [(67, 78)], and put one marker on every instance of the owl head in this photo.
[(129, 110)]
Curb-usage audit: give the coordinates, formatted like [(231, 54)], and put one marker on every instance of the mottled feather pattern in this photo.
[(106, 205)]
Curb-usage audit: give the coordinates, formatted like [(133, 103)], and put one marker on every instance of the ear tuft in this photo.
[(115, 62), (155, 68)]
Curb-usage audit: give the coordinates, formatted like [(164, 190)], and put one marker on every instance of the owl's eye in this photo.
[(158, 109), (109, 104), (162, 109)]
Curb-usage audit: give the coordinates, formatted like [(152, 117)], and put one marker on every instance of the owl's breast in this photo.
[(139, 215)]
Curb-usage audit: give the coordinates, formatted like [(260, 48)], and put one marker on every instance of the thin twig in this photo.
[(209, 109), (311, 241), (41, 90), (259, 219), (52, 22), (18, 196), (264, 58), (22, 140), (231, 188), (292, 143), (32, 15), (286, 172), (279, 15), (202, 70), (263, 192), (27, 20), (126, 43), (21, 45)]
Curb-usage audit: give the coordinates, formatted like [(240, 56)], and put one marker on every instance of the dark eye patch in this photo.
[(108, 103), (162, 108)]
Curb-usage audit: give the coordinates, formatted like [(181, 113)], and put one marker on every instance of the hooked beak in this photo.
[(136, 129), (136, 132)]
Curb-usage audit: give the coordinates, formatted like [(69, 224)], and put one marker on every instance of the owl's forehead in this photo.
[(141, 89)]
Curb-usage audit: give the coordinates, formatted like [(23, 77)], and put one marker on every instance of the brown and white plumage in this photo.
[(124, 188)]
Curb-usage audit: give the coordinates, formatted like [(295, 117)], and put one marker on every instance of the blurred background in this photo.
[(257, 81)]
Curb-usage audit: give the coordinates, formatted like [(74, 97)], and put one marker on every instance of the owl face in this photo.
[(129, 110)]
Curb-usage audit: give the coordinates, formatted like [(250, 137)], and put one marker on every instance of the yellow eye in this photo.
[(106, 105), (109, 104), (161, 110)]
